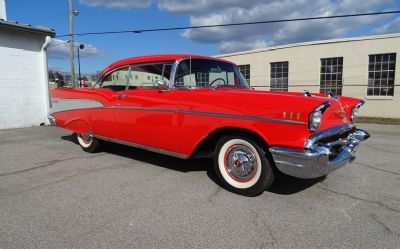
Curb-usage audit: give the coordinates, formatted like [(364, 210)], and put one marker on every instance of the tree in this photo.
[(59, 79), (51, 76)]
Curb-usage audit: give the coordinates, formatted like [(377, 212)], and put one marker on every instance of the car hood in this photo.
[(293, 106)]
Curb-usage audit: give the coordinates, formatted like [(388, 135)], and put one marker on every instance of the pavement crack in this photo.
[(387, 229), (383, 150), (67, 178), (372, 167), (43, 165), (378, 203)]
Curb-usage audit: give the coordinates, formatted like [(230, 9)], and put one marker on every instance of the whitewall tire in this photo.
[(242, 166), (88, 143)]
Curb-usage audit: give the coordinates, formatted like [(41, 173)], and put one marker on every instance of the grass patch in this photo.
[(374, 120)]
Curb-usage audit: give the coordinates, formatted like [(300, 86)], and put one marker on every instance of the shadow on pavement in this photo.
[(283, 184)]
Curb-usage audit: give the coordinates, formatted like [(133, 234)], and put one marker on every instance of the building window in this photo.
[(279, 76), (331, 75), (203, 79), (245, 70), (381, 72)]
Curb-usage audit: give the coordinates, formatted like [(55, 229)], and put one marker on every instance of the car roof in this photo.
[(155, 58)]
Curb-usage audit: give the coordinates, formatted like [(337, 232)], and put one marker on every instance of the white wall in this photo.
[(23, 90), (3, 14)]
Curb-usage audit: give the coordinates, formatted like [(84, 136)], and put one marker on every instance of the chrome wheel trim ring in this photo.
[(241, 163), (234, 182), (85, 140)]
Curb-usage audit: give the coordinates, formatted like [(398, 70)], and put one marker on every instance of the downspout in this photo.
[(46, 77)]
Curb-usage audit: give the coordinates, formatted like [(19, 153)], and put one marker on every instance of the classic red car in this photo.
[(181, 105)]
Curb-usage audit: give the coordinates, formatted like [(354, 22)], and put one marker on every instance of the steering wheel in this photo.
[(217, 80)]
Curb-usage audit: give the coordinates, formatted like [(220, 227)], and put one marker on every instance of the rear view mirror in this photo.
[(162, 85)]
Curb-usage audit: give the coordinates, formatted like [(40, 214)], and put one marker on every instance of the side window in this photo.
[(148, 75), (116, 80), (206, 73)]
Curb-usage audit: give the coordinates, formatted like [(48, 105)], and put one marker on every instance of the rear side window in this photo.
[(148, 75), (116, 80)]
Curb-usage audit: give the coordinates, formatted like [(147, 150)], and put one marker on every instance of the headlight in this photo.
[(354, 111), (315, 118)]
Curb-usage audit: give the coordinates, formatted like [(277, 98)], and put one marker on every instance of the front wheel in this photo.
[(88, 143), (241, 166)]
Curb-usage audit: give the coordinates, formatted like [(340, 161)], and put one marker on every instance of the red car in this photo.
[(181, 105)]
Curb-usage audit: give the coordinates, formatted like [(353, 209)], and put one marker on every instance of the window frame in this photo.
[(129, 66), (390, 87), (245, 70), (177, 63), (338, 88), (280, 89)]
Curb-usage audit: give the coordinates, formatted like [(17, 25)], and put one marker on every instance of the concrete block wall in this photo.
[(23, 90)]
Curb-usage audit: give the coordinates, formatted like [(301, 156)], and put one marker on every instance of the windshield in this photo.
[(208, 73)]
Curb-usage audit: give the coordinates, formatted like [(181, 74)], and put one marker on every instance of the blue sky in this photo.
[(104, 15)]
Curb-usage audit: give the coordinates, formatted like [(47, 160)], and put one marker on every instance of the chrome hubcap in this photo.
[(86, 139), (241, 163)]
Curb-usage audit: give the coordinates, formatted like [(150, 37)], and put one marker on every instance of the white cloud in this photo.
[(391, 27), (231, 39), (59, 49), (237, 38), (120, 4)]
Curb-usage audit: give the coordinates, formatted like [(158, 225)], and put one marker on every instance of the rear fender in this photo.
[(78, 126)]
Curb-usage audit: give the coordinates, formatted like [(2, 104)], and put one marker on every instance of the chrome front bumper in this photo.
[(320, 157)]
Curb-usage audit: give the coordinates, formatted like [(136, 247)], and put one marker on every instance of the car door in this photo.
[(146, 115), (107, 91)]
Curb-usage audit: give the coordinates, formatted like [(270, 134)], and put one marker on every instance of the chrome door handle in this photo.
[(123, 96)]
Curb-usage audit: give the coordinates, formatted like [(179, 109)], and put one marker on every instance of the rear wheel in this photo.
[(88, 143), (241, 166)]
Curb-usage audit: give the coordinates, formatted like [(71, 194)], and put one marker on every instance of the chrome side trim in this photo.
[(326, 133), (215, 114), (60, 105), (224, 115), (144, 147), (81, 104)]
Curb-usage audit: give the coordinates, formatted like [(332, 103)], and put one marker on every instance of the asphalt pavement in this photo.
[(54, 195)]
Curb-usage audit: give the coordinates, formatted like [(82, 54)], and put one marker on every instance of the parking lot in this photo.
[(54, 195)]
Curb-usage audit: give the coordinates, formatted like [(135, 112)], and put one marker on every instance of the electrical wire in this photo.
[(138, 31)]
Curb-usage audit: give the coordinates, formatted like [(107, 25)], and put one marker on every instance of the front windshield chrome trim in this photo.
[(175, 68)]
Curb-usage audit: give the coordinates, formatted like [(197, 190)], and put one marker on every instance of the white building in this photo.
[(24, 95), (363, 67)]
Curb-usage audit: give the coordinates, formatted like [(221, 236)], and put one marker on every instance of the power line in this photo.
[(138, 31)]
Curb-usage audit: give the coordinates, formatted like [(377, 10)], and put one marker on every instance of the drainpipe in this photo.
[(46, 77)]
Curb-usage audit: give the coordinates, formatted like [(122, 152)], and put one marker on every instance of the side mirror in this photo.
[(162, 85)]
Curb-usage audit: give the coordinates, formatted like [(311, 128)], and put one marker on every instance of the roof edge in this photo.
[(309, 43), (27, 28)]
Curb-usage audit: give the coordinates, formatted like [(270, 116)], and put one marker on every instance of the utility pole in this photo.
[(71, 43)]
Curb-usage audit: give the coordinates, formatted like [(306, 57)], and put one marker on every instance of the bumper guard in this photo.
[(319, 159)]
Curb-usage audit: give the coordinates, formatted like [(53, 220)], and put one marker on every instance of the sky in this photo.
[(108, 15)]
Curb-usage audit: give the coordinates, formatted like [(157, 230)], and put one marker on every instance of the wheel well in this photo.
[(208, 144)]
